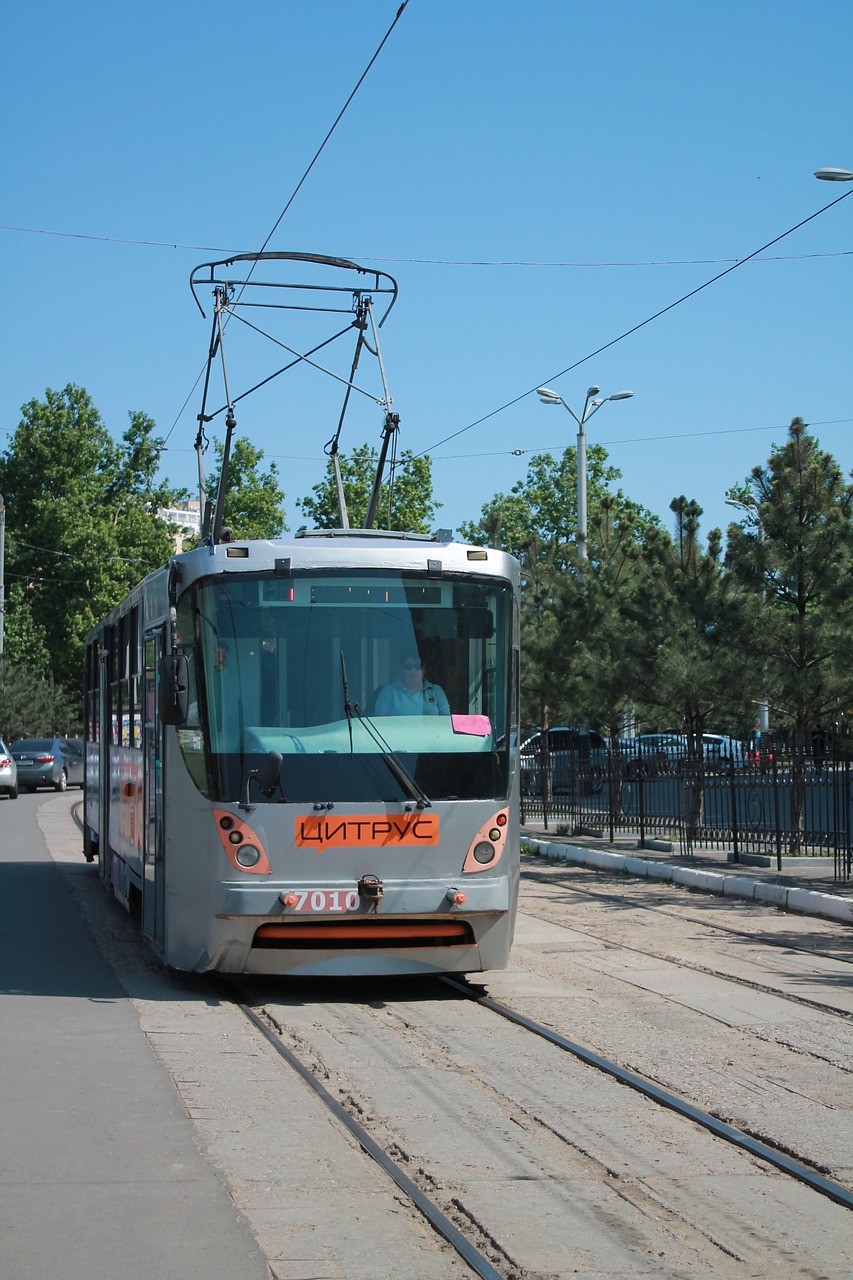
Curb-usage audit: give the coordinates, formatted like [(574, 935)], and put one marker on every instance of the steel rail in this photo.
[(780, 943), (442, 1224), (793, 1168), (786, 1164)]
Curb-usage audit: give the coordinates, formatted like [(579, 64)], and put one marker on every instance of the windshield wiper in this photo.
[(392, 760)]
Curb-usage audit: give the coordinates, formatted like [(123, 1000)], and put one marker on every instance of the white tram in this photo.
[(245, 795)]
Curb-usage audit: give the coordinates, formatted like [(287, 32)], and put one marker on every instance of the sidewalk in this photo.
[(805, 885), (102, 1176)]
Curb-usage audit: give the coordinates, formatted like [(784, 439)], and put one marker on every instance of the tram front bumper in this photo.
[(483, 896)]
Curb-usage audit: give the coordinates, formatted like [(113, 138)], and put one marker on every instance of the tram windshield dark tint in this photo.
[(275, 661)]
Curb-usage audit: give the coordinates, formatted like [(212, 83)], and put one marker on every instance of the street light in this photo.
[(590, 406), (763, 708), (834, 175)]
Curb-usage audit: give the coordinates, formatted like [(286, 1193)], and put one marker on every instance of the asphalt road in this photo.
[(100, 1174)]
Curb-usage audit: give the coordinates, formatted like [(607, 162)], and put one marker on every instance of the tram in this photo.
[(302, 755)]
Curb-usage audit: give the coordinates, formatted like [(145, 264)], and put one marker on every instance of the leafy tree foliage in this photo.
[(81, 525), (572, 612), (406, 501), (32, 705), (702, 674), (25, 642), (605, 648), (254, 503), (543, 700), (545, 504), (795, 557)]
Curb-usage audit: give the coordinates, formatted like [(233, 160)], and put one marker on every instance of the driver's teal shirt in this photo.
[(396, 700)]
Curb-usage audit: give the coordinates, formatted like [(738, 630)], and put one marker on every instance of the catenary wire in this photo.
[(298, 187), (642, 324), (440, 262), (550, 448), (334, 126)]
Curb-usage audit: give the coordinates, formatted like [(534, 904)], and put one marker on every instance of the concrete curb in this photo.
[(803, 901)]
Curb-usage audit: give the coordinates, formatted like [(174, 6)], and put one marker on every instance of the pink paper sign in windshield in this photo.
[(477, 726)]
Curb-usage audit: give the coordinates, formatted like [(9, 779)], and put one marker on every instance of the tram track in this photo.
[(797, 1169), (786, 944), (458, 1222), (422, 1041), (392, 1166)]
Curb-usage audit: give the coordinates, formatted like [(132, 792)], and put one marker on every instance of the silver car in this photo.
[(47, 762), (8, 773)]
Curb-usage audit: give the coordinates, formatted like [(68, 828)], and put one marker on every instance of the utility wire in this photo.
[(338, 119), (298, 187), (444, 262), (607, 444), (550, 448), (635, 328), (71, 555)]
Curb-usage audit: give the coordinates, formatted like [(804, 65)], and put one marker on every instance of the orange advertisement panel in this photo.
[(367, 831)]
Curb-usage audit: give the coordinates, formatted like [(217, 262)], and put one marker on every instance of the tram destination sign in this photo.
[(367, 831)]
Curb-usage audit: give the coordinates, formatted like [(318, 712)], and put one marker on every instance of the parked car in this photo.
[(577, 756), (47, 762), (8, 773), (719, 749), (651, 754)]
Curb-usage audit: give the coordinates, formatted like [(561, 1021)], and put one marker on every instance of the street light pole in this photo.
[(763, 706), (591, 405)]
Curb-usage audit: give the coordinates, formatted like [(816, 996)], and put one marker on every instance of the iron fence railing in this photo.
[(786, 803)]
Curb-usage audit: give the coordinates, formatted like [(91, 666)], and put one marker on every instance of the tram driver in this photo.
[(412, 694)]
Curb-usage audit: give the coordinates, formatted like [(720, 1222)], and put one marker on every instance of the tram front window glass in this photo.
[(323, 668)]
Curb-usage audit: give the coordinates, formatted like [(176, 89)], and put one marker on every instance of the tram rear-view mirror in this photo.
[(269, 772), (174, 688)]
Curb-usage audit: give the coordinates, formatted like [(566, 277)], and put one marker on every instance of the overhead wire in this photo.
[(676, 435), (300, 184), (549, 448), (337, 121), (444, 262), (635, 328)]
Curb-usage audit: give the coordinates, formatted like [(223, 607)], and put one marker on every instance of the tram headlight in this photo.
[(248, 855), (484, 852)]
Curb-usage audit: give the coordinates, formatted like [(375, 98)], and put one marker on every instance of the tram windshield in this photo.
[(347, 675)]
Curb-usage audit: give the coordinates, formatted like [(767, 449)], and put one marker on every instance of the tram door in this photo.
[(152, 753)]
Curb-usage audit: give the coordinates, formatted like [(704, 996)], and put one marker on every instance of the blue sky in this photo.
[(618, 155)]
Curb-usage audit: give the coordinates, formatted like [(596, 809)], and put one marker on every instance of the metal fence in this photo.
[(786, 803)]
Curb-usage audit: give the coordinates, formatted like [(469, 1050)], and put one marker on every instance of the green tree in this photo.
[(543, 700), (254, 503), (81, 525), (701, 672), (537, 523), (406, 501), (795, 557), (604, 650), (32, 705), (25, 642), (544, 503)]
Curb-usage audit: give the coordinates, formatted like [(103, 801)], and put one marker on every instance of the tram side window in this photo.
[(124, 683), (135, 680), (185, 643), (92, 708), (113, 708)]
